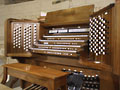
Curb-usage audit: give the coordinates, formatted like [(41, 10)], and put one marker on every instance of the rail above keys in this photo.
[(75, 46), (66, 37), (60, 47), (72, 53), (63, 42)]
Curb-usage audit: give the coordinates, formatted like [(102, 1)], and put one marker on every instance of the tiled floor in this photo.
[(2, 87)]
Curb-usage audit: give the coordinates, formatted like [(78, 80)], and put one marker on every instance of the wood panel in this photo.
[(116, 41), (117, 0), (70, 61), (7, 36), (79, 15)]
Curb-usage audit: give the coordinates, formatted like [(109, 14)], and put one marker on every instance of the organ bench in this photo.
[(50, 78)]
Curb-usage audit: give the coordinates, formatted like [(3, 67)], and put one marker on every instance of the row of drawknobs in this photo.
[(24, 34), (99, 34)]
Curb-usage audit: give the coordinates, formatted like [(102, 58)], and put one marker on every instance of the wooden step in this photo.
[(67, 37), (63, 42), (72, 53)]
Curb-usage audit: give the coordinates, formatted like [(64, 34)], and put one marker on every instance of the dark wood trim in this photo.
[(117, 0), (5, 75)]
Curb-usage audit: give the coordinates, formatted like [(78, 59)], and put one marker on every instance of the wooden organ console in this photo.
[(77, 41)]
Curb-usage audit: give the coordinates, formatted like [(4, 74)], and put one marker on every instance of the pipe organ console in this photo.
[(77, 41)]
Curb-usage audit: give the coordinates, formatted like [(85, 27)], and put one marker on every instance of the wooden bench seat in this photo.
[(50, 78)]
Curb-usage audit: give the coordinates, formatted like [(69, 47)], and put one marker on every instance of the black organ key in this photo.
[(96, 78), (85, 78)]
